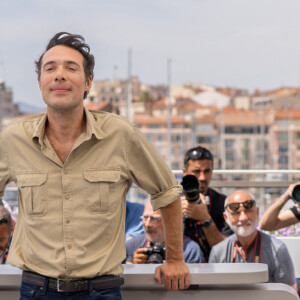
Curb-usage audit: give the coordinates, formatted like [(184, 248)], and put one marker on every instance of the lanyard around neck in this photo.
[(256, 246)]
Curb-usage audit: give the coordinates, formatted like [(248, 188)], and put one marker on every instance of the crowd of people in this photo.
[(73, 168), (224, 228)]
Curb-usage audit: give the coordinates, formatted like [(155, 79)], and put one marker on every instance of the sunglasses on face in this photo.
[(248, 204), (3, 221), (196, 154)]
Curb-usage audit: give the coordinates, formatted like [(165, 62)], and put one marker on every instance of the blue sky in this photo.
[(237, 43)]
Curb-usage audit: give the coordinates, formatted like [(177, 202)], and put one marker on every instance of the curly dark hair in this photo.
[(76, 42)]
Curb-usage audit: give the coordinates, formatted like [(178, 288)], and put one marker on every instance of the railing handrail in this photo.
[(243, 171)]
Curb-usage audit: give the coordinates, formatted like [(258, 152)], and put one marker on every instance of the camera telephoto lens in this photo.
[(157, 254), (155, 258), (191, 188), (296, 193)]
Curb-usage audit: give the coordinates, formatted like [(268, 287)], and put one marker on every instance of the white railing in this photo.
[(208, 281)]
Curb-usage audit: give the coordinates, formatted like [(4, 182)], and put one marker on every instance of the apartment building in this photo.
[(246, 139), (286, 136), (170, 143)]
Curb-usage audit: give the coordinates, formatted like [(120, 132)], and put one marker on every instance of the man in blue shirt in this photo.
[(133, 222), (137, 248)]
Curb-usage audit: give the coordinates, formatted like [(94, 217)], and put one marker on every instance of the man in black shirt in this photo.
[(204, 221)]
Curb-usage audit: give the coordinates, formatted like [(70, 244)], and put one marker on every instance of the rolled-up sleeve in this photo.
[(150, 172)]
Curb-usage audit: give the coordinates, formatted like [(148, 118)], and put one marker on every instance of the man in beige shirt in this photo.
[(71, 167)]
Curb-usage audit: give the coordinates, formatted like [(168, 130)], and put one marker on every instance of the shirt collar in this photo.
[(39, 132), (92, 127)]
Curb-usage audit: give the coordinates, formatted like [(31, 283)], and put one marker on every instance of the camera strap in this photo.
[(209, 201), (147, 244), (209, 206), (256, 246)]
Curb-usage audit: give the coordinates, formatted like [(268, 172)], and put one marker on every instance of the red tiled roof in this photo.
[(96, 106), (145, 120), (287, 114)]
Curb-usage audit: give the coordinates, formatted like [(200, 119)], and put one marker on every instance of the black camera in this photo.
[(296, 193), (191, 188), (157, 254)]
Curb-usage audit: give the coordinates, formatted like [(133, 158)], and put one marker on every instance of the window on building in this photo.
[(204, 127), (283, 149), (176, 138), (153, 125), (206, 139), (245, 166), (282, 136), (246, 143), (283, 160), (283, 123), (245, 155), (229, 143), (229, 156)]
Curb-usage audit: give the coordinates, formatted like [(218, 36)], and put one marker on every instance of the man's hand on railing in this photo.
[(176, 275)]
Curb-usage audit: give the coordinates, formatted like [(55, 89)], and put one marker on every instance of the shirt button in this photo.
[(66, 171), (69, 272), (68, 221), (67, 197), (69, 246)]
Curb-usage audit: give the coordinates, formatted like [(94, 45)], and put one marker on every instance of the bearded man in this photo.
[(248, 244)]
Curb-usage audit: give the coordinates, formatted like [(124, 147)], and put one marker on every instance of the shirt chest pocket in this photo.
[(101, 190), (32, 189)]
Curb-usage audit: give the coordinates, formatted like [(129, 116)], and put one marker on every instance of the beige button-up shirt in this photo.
[(71, 216)]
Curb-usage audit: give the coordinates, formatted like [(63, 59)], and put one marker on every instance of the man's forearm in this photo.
[(172, 220), (270, 220), (213, 235)]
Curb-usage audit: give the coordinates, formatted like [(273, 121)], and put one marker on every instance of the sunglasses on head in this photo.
[(197, 154), (248, 204)]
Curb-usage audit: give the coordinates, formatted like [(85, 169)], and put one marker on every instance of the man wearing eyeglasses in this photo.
[(6, 229), (137, 248), (251, 245), (204, 222)]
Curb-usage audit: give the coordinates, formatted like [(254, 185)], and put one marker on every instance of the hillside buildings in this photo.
[(243, 131), (259, 131), (7, 108)]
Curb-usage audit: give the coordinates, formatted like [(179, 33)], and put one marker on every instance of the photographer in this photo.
[(6, 231), (149, 246), (204, 221), (274, 218)]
